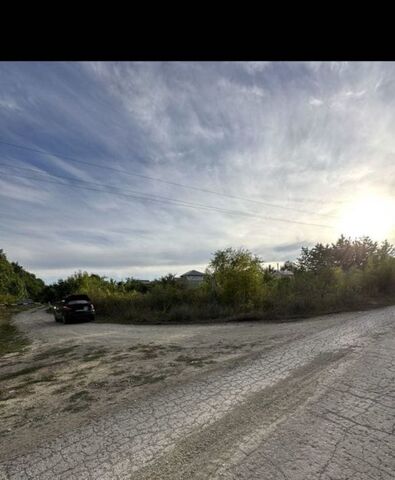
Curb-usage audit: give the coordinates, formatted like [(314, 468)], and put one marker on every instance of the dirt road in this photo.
[(43, 330), (307, 400)]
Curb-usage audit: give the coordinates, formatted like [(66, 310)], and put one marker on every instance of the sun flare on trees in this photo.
[(372, 216)]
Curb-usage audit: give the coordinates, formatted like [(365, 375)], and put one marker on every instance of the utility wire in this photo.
[(155, 179), (173, 201), (139, 192)]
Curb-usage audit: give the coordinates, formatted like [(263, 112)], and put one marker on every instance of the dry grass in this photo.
[(11, 339)]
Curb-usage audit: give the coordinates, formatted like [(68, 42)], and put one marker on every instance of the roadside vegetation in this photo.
[(15, 284), (11, 339), (346, 275)]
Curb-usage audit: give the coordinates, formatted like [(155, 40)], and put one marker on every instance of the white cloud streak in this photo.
[(280, 132)]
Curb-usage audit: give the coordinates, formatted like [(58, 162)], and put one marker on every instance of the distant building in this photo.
[(283, 274), (193, 278)]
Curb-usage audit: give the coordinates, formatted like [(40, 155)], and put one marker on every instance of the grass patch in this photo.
[(95, 355), (78, 401), (64, 389), (82, 395), (18, 373), (97, 384), (135, 347), (149, 348), (54, 352), (148, 355), (50, 377), (151, 351), (81, 373), (118, 372), (11, 339), (143, 379), (120, 356), (194, 361), (175, 348), (74, 408)]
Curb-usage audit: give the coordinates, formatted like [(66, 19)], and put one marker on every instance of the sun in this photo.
[(373, 216)]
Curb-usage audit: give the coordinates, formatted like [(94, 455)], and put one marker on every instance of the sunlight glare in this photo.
[(373, 216)]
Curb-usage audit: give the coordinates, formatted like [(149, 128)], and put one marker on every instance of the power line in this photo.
[(136, 194), (139, 192), (174, 202), (155, 179)]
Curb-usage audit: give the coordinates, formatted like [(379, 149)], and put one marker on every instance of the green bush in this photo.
[(236, 276), (327, 278)]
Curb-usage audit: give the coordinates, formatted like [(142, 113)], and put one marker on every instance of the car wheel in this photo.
[(64, 320)]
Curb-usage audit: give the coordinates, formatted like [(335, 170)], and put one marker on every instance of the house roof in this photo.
[(192, 273), (283, 273)]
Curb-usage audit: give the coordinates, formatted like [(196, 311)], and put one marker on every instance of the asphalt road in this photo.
[(317, 406)]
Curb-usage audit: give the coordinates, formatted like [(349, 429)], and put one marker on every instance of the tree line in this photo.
[(347, 274), (17, 283)]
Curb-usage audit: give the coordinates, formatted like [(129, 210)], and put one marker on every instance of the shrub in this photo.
[(327, 278)]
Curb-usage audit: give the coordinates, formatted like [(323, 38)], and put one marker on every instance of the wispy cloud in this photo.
[(303, 135)]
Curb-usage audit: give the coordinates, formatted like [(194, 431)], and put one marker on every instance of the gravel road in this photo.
[(313, 400)]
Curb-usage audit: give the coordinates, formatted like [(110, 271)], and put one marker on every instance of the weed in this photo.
[(194, 361), (98, 384), (143, 379), (175, 348), (78, 401), (148, 355), (135, 347), (73, 408), (54, 352), (118, 372), (18, 373), (81, 396), (95, 355), (31, 381), (63, 389), (11, 339)]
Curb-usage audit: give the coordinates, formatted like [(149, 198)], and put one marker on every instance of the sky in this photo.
[(145, 168)]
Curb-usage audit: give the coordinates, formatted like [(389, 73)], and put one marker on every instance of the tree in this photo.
[(385, 250), (345, 253), (315, 259), (237, 276), (290, 266), (16, 282), (34, 286), (133, 285)]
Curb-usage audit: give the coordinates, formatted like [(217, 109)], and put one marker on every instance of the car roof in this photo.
[(77, 297)]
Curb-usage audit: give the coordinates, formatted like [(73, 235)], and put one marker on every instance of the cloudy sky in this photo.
[(140, 169)]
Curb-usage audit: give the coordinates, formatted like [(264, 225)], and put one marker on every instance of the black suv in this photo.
[(74, 307)]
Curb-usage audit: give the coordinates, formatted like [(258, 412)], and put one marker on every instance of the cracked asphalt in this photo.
[(318, 407)]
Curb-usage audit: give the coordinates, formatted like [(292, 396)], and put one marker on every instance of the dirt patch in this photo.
[(73, 383)]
